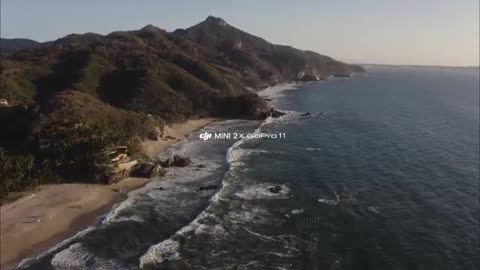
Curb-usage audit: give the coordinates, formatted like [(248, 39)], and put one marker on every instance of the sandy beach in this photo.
[(51, 213), (173, 134)]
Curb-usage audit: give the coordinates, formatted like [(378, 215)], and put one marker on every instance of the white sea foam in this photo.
[(217, 230), (374, 209), (313, 149), (327, 201), (166, 250), (262, 191), (298, 211), (78, 257), (56, 248), (251, 215), (112, 216), (274, 92)]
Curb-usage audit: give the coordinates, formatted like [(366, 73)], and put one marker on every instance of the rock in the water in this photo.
[(306, 114), (209, 187), (147, 170), (179, 161), (275, 189)]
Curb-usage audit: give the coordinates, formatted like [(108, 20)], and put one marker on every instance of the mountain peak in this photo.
[(151, 28), (216, 20)]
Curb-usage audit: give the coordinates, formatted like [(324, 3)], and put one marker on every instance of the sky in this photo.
[(406, 32)]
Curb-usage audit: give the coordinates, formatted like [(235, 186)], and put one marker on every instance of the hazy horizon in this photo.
[(430, 33)]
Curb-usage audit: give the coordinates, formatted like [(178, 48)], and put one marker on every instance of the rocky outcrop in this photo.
[(248, 106), (275, 189), (108, 176), (176, 161), (275, 114), (155, 134), (309, 78), (147, 170)]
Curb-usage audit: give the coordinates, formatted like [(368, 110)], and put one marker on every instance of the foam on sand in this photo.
[(78, 257)]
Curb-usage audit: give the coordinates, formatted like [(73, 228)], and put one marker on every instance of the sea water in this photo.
[(382, 174)]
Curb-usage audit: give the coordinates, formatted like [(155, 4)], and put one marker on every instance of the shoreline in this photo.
[(42, 218)]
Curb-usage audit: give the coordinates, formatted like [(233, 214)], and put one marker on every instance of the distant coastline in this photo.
[(419, 66)]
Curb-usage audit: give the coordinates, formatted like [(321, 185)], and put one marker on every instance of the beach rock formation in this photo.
[(176, 161), (147, 170), (108, 176)]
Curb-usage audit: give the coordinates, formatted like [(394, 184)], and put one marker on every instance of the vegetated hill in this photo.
[(173, 75), (10, 45), (149, 70), (86, 92)]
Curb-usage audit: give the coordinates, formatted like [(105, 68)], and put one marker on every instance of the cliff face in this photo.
[(198, 71)]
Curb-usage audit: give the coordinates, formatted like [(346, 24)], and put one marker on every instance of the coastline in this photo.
[(40, 219), (103, 196)]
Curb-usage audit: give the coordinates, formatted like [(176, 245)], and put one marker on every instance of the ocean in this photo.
[(382, 173)]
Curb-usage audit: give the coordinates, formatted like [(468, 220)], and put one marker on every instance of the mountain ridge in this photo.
[(212, 55)]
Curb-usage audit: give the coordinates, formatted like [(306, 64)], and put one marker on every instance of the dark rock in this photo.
[(112, 176), (342, 75), (147, 170), (209, 187), (306, 114), (275, 114), (154, 134), (249, 106), (275, 189), (177, 161), (309, 78), (201, 166)]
